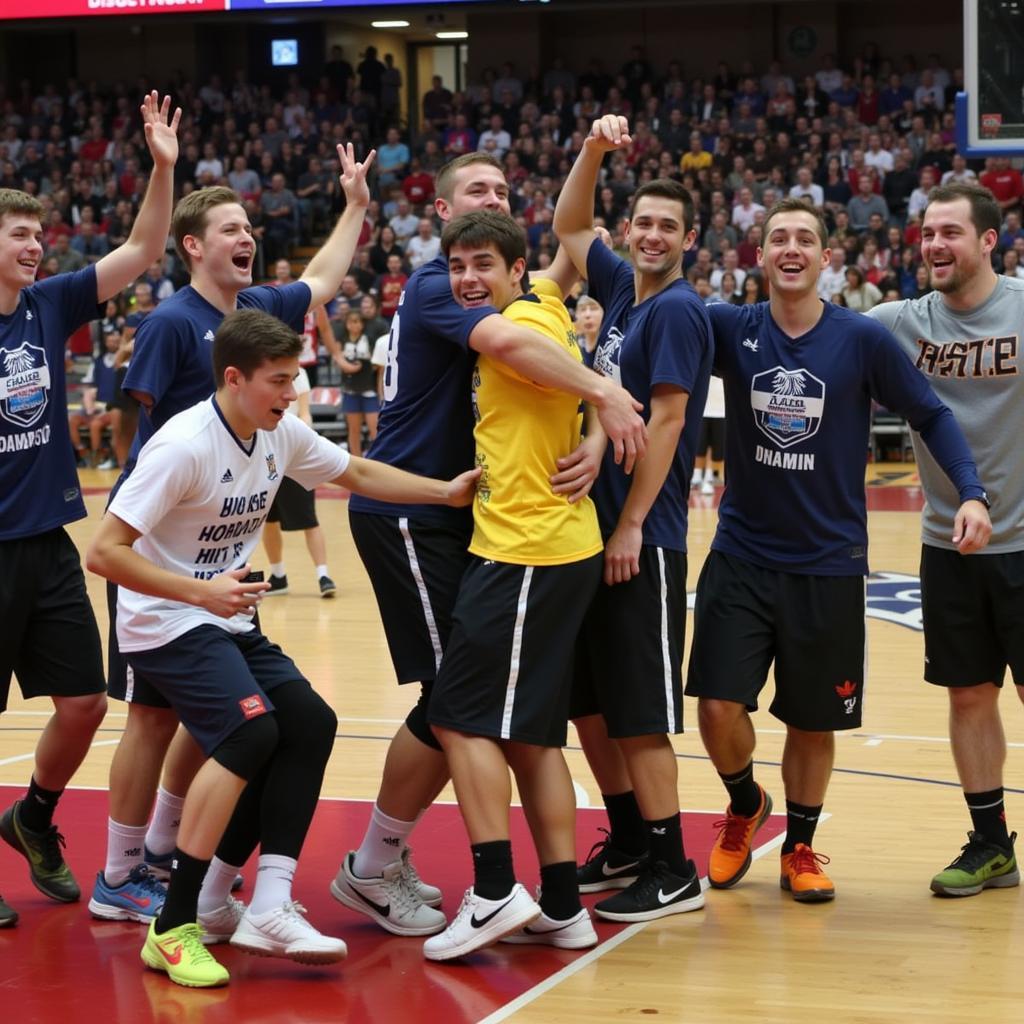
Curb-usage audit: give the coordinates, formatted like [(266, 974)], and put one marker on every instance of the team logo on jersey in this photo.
[(847, 693), (606, 358), (891, 596), (271, 467), (750, 343), (208, 336), (24, 383), (28, 314), (788, 404), (252, 706), (227, 478)]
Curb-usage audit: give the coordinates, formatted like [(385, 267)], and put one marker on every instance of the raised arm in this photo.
[(148, 236), (328, 267), (574, 212)]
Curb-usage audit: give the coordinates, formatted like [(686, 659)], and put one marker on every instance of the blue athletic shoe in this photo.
[(159, 865), (139, 898)]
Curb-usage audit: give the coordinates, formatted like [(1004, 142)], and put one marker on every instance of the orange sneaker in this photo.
[(730, 856), (803, 877)]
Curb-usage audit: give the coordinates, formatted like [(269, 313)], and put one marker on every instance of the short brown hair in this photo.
[(248, 338), (667, 188), (486, 227), (791, 204), (985, 212), (444, 185), (13, 200), (191, 214)]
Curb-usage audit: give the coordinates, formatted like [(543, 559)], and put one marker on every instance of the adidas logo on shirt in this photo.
[(227, 478), (208, 336), (28, 314)]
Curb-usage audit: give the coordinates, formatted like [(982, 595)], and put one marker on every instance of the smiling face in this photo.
[(480, 276), (21, 250), (951, 249), (657, 235), (792, 255), (262, 399), (224, 251), (476, 186)]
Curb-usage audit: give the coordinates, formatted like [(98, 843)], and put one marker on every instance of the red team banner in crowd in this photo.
[(79, 8)]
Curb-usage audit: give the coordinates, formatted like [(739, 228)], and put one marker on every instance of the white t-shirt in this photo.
[(199, 497), (380, 350)]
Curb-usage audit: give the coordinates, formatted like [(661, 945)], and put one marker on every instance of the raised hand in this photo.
[(353, 174), (609, 133), (161, 131)]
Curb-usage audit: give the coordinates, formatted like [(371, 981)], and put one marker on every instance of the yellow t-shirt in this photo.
[(521, 429)]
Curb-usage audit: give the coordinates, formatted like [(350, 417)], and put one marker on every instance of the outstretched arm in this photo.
[(149, 233), (328, 267)]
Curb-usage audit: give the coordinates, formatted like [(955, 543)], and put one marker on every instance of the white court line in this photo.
[(30, 756)]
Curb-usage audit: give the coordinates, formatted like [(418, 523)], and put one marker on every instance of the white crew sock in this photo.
[(162, 836), (277, 569), (216, 885), (124, 850), (273, 882), (382, 844)]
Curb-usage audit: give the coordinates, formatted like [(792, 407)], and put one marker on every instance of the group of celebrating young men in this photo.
[(562, 597)]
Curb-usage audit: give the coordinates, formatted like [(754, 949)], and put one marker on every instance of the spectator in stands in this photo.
[(897, 187), (806, 189), (316, 191), (390, 286), (746, 211), (1004, 182), (404, 223), (393, 159), (866, 202), (424, 246), (833, 278), (959, 171), (280, 209), (90, 243), (858, 293), (437, 105), (385, 246)]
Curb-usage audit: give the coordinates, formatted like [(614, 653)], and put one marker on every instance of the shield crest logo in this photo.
[(271, 467), (788, 404), (24, 384), (606, 359)]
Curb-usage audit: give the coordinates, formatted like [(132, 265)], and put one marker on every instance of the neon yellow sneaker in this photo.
[(181, 955)]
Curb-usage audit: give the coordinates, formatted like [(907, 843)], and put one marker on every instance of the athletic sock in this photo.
[(220, 876), (988, 814), (559, 890), (274, 876), (628, 831), (163, 829), (665, 842), (321, 572), (124, 850), (744, 793), (181, 905), (277, 569), (493, 876), (801, 821), (35, 812), (382, 844)]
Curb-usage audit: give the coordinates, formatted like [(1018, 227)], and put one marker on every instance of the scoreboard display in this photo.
[(12, 9)]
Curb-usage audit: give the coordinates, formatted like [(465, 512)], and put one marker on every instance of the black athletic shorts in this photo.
[(973, 608), (50, 637), (293, 507), (812, 627), (216, 680), (507, 669), (712, 435), (629, 655), (415, 569)]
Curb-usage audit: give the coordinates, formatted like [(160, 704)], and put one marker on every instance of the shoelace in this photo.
[(191, 940), (600, 846), (465, 908), (147, 881), (409, 872), (731, 831), (806, 861), (975, 852), (50, 844)]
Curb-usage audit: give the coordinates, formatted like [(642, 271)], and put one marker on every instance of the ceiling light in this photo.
[(452, 35), (390, 24)]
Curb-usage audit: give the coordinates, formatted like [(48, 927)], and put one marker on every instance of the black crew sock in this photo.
[(628, 831), (493, 876), (744, 792), (801, 821), (182, 903), (35, 812), (988, 814), (559, 890), (665, 843)]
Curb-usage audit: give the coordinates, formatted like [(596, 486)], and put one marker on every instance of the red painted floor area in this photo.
[(61, 965)]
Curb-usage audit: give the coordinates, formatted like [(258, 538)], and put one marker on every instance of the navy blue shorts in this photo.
[(216, 680), (360, 403)]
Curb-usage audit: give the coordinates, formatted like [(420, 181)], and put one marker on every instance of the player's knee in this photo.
[(156, 726), (81, 715), (249, 747), (967, 700), (718, 716), (320, 725), (416, 721)]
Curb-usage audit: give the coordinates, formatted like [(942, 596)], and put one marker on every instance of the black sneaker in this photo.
[(49, 874), (658, 892), (608, 868), (278, 585), (327, 587), (8, 915)]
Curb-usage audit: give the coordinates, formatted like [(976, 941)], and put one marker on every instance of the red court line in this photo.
[(59, 964)]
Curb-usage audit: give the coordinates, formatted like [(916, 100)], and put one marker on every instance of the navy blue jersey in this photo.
[(38, 482), (799, 412), (426, 421), (173, 355), (666, 339)]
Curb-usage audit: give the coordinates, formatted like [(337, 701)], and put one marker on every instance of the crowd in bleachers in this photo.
[(863, 140)]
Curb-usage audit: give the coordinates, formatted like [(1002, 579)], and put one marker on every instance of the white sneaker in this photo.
[(707, 487), (386, 898), (429, 894), (284, 932), (220, 924), (576, 933), (481, 922)]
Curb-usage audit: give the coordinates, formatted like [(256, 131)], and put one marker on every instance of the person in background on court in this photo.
[(294, 508), (589, 315), (359, 401), (709, 464)]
